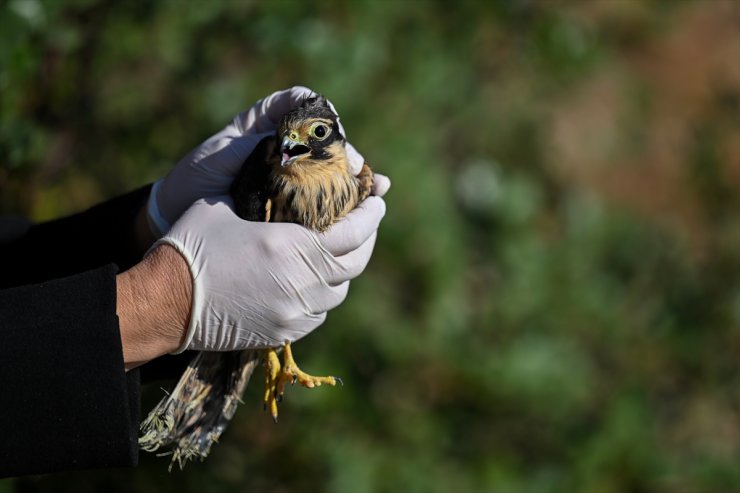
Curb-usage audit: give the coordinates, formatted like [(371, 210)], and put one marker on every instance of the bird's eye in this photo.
[(319, 131)]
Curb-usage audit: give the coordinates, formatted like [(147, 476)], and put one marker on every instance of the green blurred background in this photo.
[(554, 300)]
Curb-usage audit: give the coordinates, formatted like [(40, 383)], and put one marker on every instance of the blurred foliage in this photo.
[(554, 301)]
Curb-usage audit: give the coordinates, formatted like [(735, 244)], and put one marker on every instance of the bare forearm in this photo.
[(153, 306)]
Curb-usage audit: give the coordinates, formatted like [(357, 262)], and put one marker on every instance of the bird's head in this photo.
[(309, 135)]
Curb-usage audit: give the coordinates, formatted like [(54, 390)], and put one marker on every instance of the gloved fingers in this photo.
[(225, 157), (352, 264), (299, 328), (264, 115), (261, 117), (207, 171), (353, 230), (355, 158), (221, 202), (333, 297), (243, 146), (284, 101), (381, 184)]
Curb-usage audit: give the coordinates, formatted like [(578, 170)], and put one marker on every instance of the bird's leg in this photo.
[(272, 376), (291, 373), (276, 377), (268, 210)]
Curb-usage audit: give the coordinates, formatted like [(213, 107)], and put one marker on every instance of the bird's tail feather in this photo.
[(187, 421)]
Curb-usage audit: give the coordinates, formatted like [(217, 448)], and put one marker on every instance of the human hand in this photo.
[(257, 285), (209, 169)]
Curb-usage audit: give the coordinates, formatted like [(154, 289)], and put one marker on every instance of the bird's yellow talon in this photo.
[(277, 376), (272, 375)]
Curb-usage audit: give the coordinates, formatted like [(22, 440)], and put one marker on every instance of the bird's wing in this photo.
[(250, 188)]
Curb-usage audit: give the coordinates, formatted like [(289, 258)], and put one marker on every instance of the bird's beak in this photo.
[(292, 149)]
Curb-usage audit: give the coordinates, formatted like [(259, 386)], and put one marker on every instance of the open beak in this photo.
[(290, 150)]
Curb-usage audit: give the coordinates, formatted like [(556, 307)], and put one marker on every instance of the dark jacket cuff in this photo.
[(67, 402)]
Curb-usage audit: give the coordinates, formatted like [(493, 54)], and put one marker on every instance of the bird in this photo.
[(301, 174)]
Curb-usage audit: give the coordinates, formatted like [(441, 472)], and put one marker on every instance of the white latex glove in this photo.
[(258, 285), (210, 168)]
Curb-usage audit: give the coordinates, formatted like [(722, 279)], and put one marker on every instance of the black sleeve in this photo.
[(66, 402), (104, 234)]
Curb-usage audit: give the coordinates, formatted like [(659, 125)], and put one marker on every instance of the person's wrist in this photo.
[(154, 299)]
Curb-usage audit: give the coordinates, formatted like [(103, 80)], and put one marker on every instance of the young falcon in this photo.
[(300, 175)]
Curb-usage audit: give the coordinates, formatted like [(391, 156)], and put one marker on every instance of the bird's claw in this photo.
[(276, 377)]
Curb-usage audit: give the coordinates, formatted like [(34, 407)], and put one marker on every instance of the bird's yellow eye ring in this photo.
[(319, 131)]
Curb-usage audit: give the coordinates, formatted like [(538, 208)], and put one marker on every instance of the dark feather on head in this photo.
[(312, 108)]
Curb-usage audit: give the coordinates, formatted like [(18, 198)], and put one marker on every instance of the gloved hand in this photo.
[(209, 169), (258, 285)]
